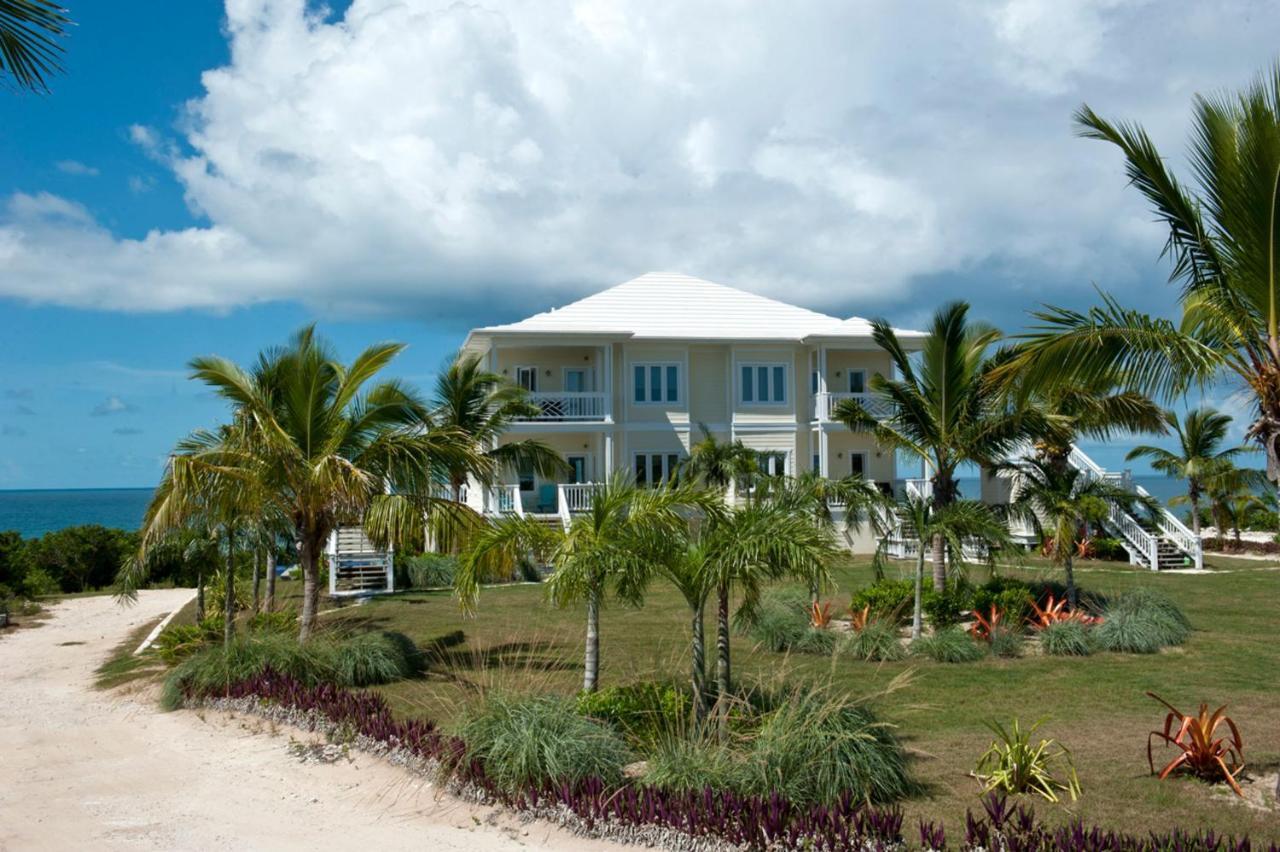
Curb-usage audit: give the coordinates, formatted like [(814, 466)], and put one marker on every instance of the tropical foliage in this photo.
[(30, 41), (1015, 765), (1202, 752)]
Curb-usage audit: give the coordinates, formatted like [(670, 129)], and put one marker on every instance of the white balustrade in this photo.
[(567, 405), (824, 405)]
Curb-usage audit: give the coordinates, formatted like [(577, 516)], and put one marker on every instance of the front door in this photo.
[(575, 380), (577, 469), (527, 378)]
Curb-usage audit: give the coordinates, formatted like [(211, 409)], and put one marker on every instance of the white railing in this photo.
[(503, 500), (567, 405), (577, 496), (824, 404), (920, 489)]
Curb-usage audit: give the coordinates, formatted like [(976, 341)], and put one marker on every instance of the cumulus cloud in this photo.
[(427, 155), (112, 405), (75, 167)]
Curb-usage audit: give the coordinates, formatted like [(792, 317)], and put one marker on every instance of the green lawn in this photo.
[(1096, 706)]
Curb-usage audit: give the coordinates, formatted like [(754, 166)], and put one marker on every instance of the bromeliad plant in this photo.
[(1056, 612), (820, 616), (1013, 765), (985, 625), (1200, 750)]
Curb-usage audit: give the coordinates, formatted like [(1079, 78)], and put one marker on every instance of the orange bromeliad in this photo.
[(1200, 750)]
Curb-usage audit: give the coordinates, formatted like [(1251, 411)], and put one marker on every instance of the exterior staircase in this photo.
[(356, 567)]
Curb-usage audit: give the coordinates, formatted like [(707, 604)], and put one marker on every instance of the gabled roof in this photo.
[(666, 305)]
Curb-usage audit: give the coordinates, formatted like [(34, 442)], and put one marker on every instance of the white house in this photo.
[(625, 379)]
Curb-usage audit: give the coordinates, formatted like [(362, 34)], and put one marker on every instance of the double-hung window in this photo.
[(653, 384), (656, 468), (762, 384)]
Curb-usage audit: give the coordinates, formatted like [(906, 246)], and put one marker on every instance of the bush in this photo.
[(891, 599), (429, 570), (643, 712), (179, 641), (279, 621), (1067, 639), (1008, 595), (948, 645), (1006, 642), (533, 741), (1141, 622), (372, 658), (781, 623), (950, 606), (877, 642), (816, 747), (39, 582), (691, 766), (1110, 549)]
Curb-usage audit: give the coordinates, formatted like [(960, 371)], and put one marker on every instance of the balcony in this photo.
[(561, 500), (568, 407), (824, 404)]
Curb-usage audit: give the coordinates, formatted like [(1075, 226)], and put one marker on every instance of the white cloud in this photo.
[(424, 154), (112, 405), (75, 167)]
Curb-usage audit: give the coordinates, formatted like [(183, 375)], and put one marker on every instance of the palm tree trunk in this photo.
[(699, 679), (723, 673), (1195, 514), (269, 602), (229, 604), (917, 618), (939, 563), (591, 669), (1071, 582), (199, 595), (257, 579), (309, 556)]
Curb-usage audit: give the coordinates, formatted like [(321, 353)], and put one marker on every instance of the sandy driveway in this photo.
[(82, 769)]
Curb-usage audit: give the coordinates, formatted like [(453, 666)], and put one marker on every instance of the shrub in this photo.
[(682, 765), (39, 582), (1067, 639), (179, 641), (1010, 596), (1141, 622), (279, 621), (1013, 765), (1006, 642), (948, 645), (892, 599), (534, 741), (1111, 549), (643, 712), (430, 570), (950, 606), (367, 659), (817, 747), (876, 642), (781, 623)]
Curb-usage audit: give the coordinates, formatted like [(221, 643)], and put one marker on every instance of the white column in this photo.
[(821, 404), (606, 381), (824, 454), (608, 455)]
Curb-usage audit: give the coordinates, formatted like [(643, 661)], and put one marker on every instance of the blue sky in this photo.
[(208, 179)]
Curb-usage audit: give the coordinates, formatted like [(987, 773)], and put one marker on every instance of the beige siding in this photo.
[(655, 412), (841, 445), (708, 387), (551, 361), (840, 362), (755, 412)]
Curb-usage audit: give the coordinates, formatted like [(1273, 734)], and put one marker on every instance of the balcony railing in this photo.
[(824, 405), (567, 406), (576, 497)]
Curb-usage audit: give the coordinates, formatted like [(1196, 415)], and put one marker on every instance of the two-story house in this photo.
[(626, 379)]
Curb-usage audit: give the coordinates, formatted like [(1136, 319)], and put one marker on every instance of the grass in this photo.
[(1095, 705), (948, 645), (1067, 639)]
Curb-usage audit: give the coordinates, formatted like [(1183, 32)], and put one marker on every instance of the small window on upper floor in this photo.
[(762, 384), (655, 383), (857, 381)]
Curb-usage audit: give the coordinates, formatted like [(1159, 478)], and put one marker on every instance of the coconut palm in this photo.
[(1229, 491), (959, 523), (1199, 454), (1098, 410), (609, 549), (321, 446), (1060, 502), (30, 49), (744, 548), (948, 410), (719, 464), (481, 406), (1223, 235)]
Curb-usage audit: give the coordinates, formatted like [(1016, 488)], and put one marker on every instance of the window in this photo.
[(527, 378), (772, 464), (817, 463), (813, 382), (763, 384), (656, 468), (655, 383), (857, 381), (525, 474), (858, 464)]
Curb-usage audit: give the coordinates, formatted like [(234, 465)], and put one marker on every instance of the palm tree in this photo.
[(1229, 490), (958, 523), (1099, 410), (742, 549), (684, 564), (480, 406), (1223, 236), (30, 49), (1199, 454), (320, 448), (718, 465), (1060, 502), (610, 548), (948, 410)]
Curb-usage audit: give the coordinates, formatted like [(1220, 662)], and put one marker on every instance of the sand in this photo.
[(86, 769)]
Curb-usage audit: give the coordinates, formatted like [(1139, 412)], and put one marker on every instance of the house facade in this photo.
[(627, 378)]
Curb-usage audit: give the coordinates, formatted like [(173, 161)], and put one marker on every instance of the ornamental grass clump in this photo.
[(1141, 622), (367, 659), (692, 764), (532, 741), (876, 641), (783, 621), (948, 645), (1005, 642), (1067, 639), (815, 747)]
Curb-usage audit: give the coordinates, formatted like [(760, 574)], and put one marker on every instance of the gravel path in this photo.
[(85, 769)]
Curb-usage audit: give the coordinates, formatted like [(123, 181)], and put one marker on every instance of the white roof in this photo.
[(667, 305)]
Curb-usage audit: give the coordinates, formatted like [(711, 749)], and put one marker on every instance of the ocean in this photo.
[(34, 513)]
